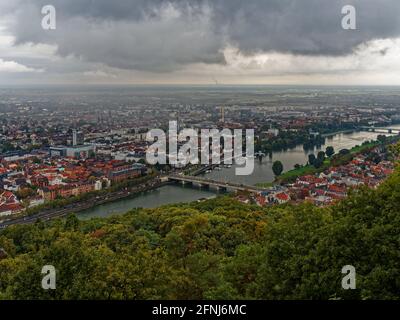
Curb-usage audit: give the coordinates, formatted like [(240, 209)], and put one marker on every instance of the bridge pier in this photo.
[(186, 182), (218, 185)]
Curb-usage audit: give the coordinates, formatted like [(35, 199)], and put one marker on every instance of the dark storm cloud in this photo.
[(305, 26), (161, 35)]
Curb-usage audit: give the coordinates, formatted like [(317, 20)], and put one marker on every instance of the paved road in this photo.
[(76, 207)]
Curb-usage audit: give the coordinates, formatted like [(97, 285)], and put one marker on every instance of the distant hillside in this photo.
[(214, 249)]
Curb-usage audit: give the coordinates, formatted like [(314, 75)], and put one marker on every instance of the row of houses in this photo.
[(329, 186), (333, 185), (44, 179), (9, 203)]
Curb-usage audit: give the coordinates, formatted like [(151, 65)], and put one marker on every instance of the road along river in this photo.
[(262, 173)]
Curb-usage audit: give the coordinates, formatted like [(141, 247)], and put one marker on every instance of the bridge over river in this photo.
[(216, 184), (381, 129)]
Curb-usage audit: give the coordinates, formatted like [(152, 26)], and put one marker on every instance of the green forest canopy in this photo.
[(217, 249)]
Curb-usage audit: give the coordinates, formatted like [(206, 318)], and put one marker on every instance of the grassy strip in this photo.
[(306, 170), (265, 184), (364, 147), (311, 170)]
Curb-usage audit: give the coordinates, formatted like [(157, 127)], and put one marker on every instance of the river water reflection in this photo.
[(263, 170), (262, 173), (151, 199)]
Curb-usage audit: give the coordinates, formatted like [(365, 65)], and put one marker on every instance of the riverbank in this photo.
[(331, 134), (263, 172), (170, 194), (328, 162), (76, 207), (369, 166), (159, 196), (178, 193)]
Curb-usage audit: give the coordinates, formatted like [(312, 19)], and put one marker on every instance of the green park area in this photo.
[(342, 157)]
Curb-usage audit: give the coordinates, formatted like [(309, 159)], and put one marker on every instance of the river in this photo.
[(262, 173), (150, 199)]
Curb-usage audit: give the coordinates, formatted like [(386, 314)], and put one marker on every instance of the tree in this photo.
[(71, 222), (311, 159), (3, 254), (321, 156), (318, 163), (330, 151), (382, 138), (277, 168), (25, 193), (214, 249), (374, 157)]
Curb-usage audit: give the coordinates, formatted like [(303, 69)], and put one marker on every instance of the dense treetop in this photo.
[(218, 248)]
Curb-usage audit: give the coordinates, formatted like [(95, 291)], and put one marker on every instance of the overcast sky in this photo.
[(200, 42)]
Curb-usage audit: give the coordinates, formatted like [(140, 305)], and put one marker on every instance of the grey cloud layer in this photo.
[(158, 35)]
